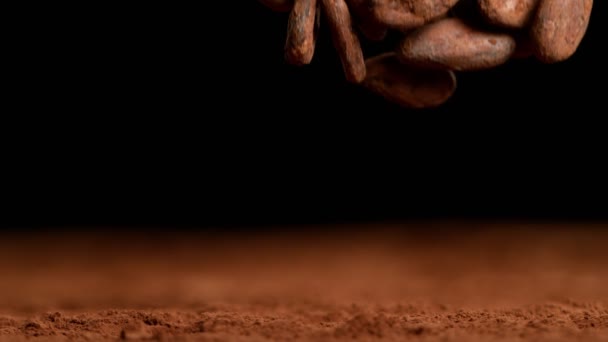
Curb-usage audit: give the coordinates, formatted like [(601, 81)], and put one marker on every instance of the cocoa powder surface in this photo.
[(490, 282)]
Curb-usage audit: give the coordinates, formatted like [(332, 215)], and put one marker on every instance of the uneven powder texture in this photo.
[(431, 282)]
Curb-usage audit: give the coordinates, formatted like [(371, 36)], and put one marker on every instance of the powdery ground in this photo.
[(445, 282)]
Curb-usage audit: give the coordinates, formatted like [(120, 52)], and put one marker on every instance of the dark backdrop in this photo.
[(188, 116)]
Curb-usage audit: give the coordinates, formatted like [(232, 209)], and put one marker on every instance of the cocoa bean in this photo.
[(508, 13), (405, 15), (408, 86), (345, 40), (559, 27), (369, 27), (452, 44), (301, 32)]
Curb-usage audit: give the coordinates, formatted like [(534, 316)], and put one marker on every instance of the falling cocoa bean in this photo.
[(301, 32), (452, 44), (408, 86), (369, 26), (405, 15), (345, 40), (559, 27), (508, 13)]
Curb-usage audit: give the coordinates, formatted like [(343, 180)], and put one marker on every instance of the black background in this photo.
[(188, 116)]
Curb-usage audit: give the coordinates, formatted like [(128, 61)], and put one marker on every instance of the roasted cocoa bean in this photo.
[(452, 44), (345, 40), (405, 15), (559, 27), (369, 27), (508, 13), (406, 85), (301, 32)]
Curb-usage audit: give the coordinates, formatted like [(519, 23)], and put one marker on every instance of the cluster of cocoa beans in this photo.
[(439, 37)]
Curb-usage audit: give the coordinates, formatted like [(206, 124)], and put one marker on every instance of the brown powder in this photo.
[(490, 283)]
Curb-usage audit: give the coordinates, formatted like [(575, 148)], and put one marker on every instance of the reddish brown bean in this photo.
[(345, 40), (559, 27), (452, 44), (508, 13), (301, 32), (408, 14), (408, 86), (369, 27)]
